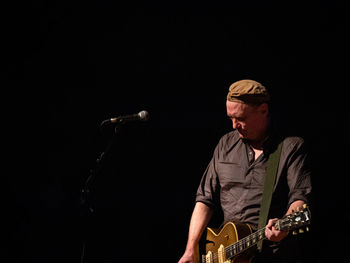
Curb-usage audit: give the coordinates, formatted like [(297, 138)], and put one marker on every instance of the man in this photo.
[(234, 178)]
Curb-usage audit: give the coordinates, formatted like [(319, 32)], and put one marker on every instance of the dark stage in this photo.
[(176, 59)]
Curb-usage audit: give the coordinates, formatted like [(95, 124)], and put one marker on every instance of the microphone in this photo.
[(141, 116)]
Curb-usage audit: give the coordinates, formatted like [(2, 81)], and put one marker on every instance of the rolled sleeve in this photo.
[(208, 191), (299, 174)]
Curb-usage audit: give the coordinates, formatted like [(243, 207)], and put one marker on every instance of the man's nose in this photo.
[(235, 124)]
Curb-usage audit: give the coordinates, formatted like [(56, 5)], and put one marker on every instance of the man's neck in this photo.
[(259, 142), (257, 145)]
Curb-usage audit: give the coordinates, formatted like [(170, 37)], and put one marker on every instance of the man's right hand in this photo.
[(188, 257)]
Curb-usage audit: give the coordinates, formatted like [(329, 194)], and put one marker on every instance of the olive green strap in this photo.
[(272, 165)]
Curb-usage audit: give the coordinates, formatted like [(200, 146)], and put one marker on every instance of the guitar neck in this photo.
[(245, 243)]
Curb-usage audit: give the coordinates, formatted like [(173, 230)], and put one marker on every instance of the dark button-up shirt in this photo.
[(234, 179)]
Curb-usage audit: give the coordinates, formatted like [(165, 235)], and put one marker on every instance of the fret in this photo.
[(254, 240), (230, 252)]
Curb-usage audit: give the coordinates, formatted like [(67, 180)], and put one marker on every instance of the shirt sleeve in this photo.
[(208, 191), (299, 173)]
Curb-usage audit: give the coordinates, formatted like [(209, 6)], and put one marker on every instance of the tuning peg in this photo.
[(301, 231), (294, 233)]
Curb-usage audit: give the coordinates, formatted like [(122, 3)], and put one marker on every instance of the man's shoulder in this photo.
[(293, 140), (231, 135)]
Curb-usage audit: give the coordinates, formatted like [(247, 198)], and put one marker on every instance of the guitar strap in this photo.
[(272, 165)]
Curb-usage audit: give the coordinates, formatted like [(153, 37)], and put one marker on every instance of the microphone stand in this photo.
[(85, 200)]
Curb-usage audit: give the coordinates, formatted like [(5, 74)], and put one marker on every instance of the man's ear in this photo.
[(264, 108)]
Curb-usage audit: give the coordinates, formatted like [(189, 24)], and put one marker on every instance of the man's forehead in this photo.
[(237, 105)]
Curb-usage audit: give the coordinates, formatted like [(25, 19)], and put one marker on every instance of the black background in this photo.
[(73, 64)]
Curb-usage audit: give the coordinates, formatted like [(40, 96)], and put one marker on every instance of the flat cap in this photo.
[(248, 91)]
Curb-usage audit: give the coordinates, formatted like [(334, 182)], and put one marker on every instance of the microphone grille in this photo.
[(144, 116)]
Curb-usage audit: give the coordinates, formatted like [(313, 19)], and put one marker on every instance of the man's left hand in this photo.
[(272, 233)]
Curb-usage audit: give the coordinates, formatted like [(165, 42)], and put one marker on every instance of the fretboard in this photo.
[(244, 243)]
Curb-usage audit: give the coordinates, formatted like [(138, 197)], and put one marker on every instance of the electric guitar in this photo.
[(235, 242)]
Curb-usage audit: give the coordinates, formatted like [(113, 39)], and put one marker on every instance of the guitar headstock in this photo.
[(295, 220)]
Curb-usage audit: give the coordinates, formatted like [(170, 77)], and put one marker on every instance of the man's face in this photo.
[(250, 121)]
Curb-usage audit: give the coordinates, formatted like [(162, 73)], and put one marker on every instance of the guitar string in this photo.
[(238, 243), (258, 235)]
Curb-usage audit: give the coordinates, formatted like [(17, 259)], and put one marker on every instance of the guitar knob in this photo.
[(294, 233), (301, 231), (304, 205), (307, 229)]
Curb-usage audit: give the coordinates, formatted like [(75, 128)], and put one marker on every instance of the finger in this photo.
[(272, 222), (267, 232)]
